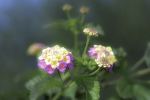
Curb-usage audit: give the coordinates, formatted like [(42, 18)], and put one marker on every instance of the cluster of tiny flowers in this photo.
[(90, 32), (84, 10), (67, 7), (55, 58), (104, 56)]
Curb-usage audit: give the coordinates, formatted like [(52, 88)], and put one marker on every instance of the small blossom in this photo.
[(70, 65), (67, 7), (110, 68), (55, 58), (49, 69), (35, 48), (104, 56), (90, 32), (62, 66), (84, 10), (42, 64)]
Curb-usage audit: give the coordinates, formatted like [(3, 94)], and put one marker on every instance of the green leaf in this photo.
[(58, 24), (87, 25), (43, 86), (115, 98), (73, 22), (63, 23), (33, 81), (90, 85), (141, 92), (71, 92), (14, 94), (124, 88), (147, 55), (99, 29)]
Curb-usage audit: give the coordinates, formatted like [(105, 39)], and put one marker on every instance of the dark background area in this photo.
[(126, 24)]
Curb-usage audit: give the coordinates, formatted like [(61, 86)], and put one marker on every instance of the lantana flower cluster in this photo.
[(104, 56), (55, 58)]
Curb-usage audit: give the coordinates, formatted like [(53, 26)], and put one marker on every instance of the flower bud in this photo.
[(84, 10), (67, 7)]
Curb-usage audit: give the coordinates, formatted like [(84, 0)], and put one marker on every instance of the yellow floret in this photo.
[(54, 63)]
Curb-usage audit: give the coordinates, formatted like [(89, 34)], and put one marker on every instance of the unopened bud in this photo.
[(84, 10), (67, 7)]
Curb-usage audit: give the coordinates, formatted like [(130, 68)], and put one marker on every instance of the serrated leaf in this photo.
[(42, 86), (141, 92), (90, 85), (33, 81), (124, 89), (147, 55)]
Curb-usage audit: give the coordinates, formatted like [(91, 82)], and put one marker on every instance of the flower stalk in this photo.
[(75, 41), (87, 42), (60, 78), (136, 65), (68, 15), (82, 19), (94, 71)]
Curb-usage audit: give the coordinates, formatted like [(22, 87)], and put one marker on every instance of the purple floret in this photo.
[(49, 69), (42, 64), (62, 66)]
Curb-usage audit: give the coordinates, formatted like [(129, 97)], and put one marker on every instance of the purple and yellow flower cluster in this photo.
[(104, 56), (55, 58)]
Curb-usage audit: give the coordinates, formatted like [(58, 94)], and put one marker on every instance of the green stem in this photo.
[(94, 71), (109, 83), (136, 65), (60, 76), (142, 81), (58, 95), (75, 41), (87, 42), (82, 19), (141, 72), (68, 15), (62, 90)]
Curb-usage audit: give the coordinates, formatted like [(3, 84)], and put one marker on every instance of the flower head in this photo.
[(34, 48), (84, 10), (104, 56), (67, 7), (90, 32), (55, 58)]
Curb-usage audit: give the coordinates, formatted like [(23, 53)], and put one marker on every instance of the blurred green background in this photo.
[(126, 24)]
